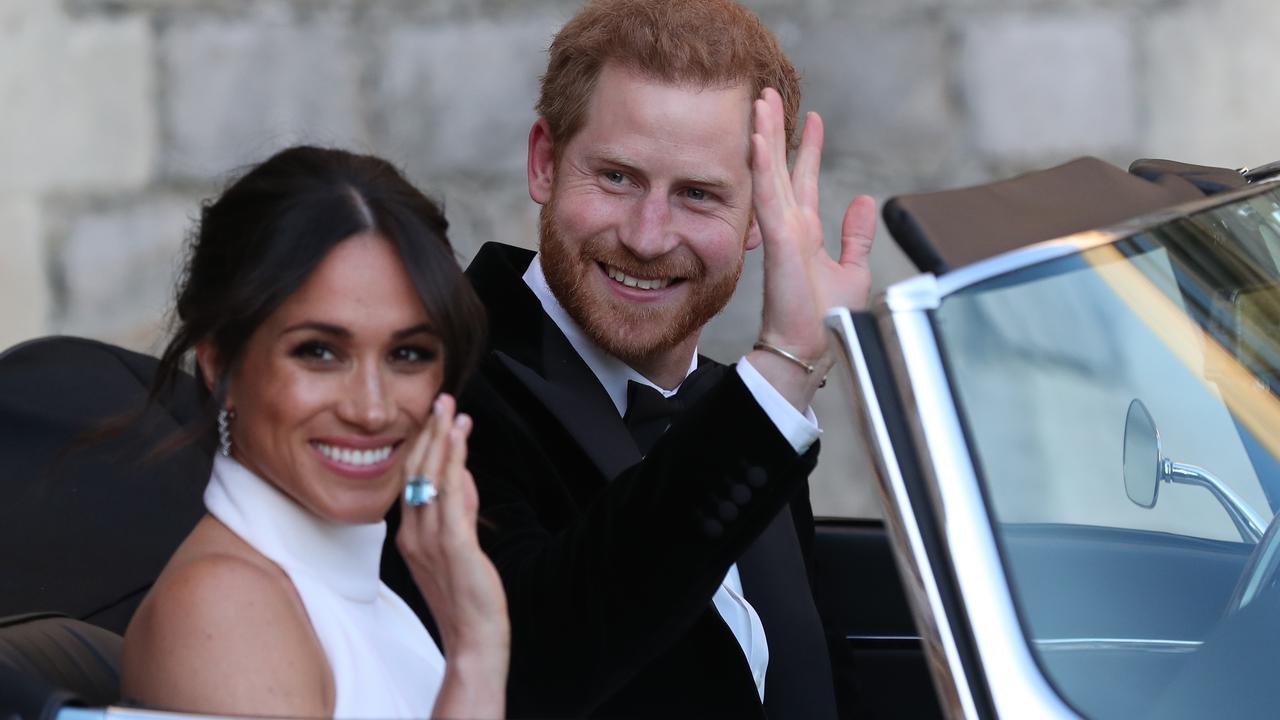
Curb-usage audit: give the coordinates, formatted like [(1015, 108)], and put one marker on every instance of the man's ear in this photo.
[(542, 162), (207, 364), (754, 238)]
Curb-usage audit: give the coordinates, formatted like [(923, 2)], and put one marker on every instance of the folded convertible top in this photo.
[(943, 230)]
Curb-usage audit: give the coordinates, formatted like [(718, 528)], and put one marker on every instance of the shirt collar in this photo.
[(612, 373)]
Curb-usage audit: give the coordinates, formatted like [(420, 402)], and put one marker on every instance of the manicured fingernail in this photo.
[(463, 421)]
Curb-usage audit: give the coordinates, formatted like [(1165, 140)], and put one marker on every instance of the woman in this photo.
[(328, 321)]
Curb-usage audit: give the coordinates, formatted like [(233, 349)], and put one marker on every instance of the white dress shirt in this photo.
[(800, 430)]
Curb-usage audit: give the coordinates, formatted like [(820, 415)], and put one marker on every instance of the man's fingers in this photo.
[(772, 124), (858, 231), (804, 176), (778, 123)]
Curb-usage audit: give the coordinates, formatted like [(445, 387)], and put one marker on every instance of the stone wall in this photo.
[(118, 116)]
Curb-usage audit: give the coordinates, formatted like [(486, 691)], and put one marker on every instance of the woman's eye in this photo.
[(413, 354), (314, 351)]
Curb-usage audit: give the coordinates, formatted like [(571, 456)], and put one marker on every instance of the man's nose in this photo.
[(367, 404), (648, 233)]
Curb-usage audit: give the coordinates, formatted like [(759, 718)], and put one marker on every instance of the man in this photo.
[(652, 573)]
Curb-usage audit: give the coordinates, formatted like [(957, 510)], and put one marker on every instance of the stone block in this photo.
[(24, 279), (237, 89), (480, 211), (1211, 101), (459, 97), (118, 265), (1046, 87), (77, 99), (881, 89)]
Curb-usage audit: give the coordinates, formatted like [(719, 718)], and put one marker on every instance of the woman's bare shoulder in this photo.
[(223, 631)]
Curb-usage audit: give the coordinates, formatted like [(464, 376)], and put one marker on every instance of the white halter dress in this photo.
[(384, 663)]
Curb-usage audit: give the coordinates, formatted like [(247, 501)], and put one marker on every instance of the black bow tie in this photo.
[(649, 413)]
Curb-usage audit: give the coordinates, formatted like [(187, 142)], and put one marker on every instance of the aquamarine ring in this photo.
[(420, 491)]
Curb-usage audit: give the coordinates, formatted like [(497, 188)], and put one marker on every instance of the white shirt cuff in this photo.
[(799, 430)]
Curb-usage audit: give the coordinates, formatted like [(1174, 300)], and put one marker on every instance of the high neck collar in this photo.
[(343, 556), (612, 373)]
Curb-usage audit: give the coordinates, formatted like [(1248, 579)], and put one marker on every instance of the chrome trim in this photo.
[(1142, 644), (1015, 684), (919, 581), (883, 638), (1011, 260), (915, 293), (116, 712), (1247, 521), (1262, 172), (80, 713)]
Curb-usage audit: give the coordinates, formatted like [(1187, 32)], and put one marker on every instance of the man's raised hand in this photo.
[(801, 281)]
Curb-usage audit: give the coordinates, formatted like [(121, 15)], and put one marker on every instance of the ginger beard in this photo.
[(633, 332)]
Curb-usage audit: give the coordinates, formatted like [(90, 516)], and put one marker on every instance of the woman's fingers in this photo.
[(456, 463), (425, 451), (416, 457)]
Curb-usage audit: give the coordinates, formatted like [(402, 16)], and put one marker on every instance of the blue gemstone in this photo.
[(419, 491)]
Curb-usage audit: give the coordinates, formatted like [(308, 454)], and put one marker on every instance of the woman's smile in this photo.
[(358, 457)]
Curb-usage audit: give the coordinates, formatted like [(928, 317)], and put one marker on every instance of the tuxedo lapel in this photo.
[(584, 409), (532, 348)]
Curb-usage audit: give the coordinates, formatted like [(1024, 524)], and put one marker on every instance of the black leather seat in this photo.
[(48, 661), (86, 525)]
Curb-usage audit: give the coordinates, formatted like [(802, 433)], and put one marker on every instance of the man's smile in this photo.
[(636, 282)]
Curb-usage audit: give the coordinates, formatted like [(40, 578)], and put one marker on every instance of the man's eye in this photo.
[(413, 354), (615, 177), (314, 351), (695, 194)]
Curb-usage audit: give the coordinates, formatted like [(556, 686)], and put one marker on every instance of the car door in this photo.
[(878, 661), (996, 399)]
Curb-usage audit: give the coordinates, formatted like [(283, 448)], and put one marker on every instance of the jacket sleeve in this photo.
[(597, 591)]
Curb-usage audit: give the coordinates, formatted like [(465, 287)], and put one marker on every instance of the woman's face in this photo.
[(337, 382)]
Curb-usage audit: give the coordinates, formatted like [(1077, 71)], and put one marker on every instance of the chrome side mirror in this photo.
[(1141, 456), (1145, 466)]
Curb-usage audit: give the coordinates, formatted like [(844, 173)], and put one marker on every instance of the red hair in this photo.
[(704, 43)]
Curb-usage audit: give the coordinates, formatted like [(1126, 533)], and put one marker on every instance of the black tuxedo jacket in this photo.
[(610, 562)]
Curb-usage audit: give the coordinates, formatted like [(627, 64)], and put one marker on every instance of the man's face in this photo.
[(646, 221)]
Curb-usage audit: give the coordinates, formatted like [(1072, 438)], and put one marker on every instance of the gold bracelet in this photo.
[(762, 345)]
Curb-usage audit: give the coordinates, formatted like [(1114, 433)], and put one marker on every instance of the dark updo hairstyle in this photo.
[(259, 242)]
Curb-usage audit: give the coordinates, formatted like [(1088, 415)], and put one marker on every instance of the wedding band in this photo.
[(420, 491)]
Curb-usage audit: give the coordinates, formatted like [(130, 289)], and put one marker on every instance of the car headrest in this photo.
[(87, 526), (940, 231)]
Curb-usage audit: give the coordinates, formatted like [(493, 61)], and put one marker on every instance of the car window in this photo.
[(1046, 369), (1121, 409)]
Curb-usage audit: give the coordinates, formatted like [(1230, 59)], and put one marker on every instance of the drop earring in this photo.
[(225, 417)]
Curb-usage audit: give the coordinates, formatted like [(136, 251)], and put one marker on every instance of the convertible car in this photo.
[(1073, 418)]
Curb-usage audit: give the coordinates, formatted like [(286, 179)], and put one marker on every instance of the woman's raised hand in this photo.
[(439, 544)]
